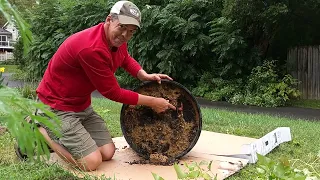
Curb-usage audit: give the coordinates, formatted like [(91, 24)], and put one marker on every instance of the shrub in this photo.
[(282, 169), (29, 91), (18, 54), (265, 88), (217, 89), (125, 80)]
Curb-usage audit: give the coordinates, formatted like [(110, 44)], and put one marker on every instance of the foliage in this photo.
[(234, 57), (14, 16), (266, 168), (125, 80), (182, 41), (16, 108), (222, 121), (20, 75), (280, 170), (225, 38), (217, 89), (306, 103), (53, 22), (39, 170), (192, 171), (9, 68), (156, 52), (18, 55), (29, 90), (7, 62), (271, 26), (264, 87)]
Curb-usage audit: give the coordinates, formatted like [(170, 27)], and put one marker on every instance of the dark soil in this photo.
[(164, 137)]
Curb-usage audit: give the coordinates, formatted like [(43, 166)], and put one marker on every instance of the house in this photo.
[(8, 36), (13, 29)]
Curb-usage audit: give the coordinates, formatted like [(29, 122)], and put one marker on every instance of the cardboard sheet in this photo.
[(208, 148)]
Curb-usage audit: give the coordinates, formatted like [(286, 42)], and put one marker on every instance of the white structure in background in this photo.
[(8, 36), (12, 28)]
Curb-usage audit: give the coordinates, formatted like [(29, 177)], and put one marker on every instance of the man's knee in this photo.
[(91, 161), (107, 151)]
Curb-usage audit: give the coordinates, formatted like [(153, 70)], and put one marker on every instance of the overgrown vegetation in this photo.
[(282, 169), (263, 87), (220, 40), (14, 108)]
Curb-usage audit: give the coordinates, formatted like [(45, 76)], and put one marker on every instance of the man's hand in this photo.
[(143, 76), (157, 104), (160, 105)]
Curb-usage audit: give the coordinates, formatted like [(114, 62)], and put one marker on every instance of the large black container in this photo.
[(172, 133)]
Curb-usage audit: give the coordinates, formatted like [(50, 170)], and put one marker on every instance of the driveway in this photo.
[(10, 83)]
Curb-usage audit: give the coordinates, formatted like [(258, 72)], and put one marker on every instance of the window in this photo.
[(3, 38)]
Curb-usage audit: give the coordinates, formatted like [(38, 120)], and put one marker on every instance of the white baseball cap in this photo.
[(128, 13)]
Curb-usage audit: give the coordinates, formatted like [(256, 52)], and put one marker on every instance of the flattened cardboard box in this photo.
[(207, 149)]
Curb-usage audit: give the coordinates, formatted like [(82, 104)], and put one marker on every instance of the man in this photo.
[(85, 62)]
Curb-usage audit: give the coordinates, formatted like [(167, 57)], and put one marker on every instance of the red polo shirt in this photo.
[(84, 63)]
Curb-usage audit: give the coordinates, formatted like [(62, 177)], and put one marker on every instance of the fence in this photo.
[(304, 65), (7, 44), (6, 56)]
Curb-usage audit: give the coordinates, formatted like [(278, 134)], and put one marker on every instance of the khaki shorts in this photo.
[(82, 132)]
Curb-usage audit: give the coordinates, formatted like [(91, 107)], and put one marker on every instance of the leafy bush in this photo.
[(217, 89), (53, 22), (234, 57), (204, 85), (265, 88), (29, 90), (126, 81), (281, 170), (175, 38), (20, 75), (15, 108), (7, 62), (19, 58)]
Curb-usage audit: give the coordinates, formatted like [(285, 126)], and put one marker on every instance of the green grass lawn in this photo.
[(10, 68), (305, 144), (314, 104)]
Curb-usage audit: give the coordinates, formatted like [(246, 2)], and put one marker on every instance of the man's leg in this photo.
[(98, 130), (87, 163), (75, 145)]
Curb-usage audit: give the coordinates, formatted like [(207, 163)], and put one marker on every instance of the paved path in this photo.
[(11, 83), (290, 112)]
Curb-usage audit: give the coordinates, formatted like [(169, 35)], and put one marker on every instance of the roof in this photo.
[(4, 32), (5, 24)]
